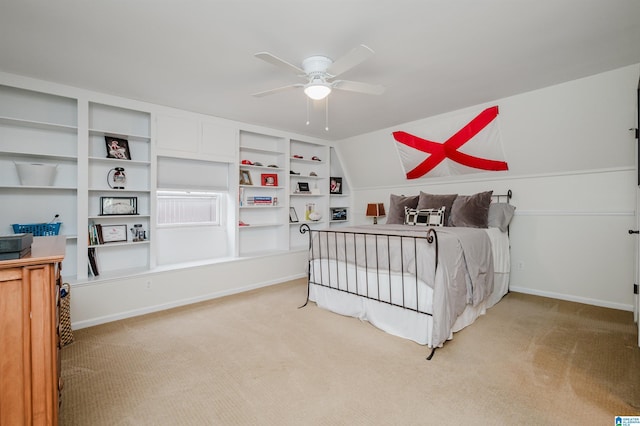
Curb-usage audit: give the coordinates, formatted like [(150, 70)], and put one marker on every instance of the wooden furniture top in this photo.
[(43, 250)]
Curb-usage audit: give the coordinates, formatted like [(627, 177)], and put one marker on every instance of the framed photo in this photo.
[(269, 179), (338, 213), (245, 177), (303, 187), (293, 216), (114, 233), (335, 185), (117, 148), (112, 206)]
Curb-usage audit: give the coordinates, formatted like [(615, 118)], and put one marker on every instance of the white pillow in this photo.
[(424, 217)]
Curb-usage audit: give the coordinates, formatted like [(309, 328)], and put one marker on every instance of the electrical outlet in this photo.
[(520, 265), (148, 285)]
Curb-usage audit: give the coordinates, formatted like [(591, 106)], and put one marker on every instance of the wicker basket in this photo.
[(37, 229), (66, 334)]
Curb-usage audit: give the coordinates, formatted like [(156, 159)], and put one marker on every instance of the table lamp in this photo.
[(375, 210)]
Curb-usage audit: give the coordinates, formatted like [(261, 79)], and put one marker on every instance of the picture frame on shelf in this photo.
[(114, 233), (245, 177), (303, 187), (338, 213), (335, 185), (269, 179), (117, 206), (293, 216), (117, 148)]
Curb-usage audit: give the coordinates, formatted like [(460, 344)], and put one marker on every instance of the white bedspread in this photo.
[(465, 265)]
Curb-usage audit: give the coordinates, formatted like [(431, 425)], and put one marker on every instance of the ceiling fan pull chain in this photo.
[(326, 114), (307, 111)]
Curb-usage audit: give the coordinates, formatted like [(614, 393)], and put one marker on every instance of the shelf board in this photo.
[(307, 222), (129, 137), (307, 161), (116, 160), (39, 124), (297, 194), (307, 177), (119, 244), (260, 151), (260, 225), (119, 191), (49, 188), (117, 216), (40, 156), (261, 187), (269, 206), (248, 166)]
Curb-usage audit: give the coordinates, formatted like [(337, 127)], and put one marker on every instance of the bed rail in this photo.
[(372, 264)]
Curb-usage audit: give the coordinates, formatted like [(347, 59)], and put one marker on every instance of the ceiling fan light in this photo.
[(317, 91)]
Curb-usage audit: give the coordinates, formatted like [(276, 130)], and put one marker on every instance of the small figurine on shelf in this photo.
[(138, 234)]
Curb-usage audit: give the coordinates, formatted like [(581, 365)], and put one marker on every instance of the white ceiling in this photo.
[(432, 56)]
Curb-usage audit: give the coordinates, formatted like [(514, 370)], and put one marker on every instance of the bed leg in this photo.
[(433, 351), (304, 228), (306, 301)]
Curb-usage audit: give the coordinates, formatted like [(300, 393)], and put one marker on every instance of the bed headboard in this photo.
[(501, 198)]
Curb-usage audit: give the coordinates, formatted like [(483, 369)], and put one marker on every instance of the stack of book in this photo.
[(260, 201), (15, 246), (95, 234)]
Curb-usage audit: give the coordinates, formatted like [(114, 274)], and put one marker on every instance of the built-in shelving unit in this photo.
[(39, 128), (107, 121), (339, 203), (262, 190), (309, 165), (169, 150)]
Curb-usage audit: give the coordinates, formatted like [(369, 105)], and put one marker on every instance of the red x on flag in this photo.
[(480, 136)]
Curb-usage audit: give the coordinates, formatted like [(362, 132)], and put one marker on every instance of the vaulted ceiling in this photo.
[(431, 56)]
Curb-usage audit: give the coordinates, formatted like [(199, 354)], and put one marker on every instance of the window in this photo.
[(188, 208)]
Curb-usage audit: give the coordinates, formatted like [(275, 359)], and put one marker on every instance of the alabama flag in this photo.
[(454, 145)]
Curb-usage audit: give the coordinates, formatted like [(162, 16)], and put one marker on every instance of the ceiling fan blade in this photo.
[(350, 60), (356, 86), (276, 90), (281, 63)]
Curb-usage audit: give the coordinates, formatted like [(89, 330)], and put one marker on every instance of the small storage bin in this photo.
[(36, 174), (37, 229)]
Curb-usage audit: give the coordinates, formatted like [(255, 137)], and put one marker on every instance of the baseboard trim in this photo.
[(570, 298)]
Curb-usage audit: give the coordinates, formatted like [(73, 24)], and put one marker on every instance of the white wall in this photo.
[(109, 300), (572, 170)]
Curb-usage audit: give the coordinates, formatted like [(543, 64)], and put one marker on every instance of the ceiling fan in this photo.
[(320, 73)]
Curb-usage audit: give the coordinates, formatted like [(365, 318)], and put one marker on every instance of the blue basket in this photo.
[(37, 229)]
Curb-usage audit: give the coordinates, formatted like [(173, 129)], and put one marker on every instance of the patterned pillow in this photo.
[(424, 217)]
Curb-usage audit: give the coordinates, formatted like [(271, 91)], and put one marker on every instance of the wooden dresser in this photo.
[(30, 382)]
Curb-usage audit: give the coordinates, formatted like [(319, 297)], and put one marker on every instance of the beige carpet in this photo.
[(255, 359)]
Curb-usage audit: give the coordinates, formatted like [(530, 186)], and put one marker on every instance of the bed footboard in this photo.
[(374, 266)]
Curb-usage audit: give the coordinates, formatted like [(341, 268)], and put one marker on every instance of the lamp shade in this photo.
[(375, 209), (317, 90)]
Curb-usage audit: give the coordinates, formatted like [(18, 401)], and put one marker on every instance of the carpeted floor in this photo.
[(255, 359)]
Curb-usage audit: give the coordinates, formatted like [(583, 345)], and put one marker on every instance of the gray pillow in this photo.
[(397, 203), (500, 215), (471, 211), (435, 201)]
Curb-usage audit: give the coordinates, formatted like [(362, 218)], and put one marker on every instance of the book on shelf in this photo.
[(262, 200), (95, 234), (93, 262)]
